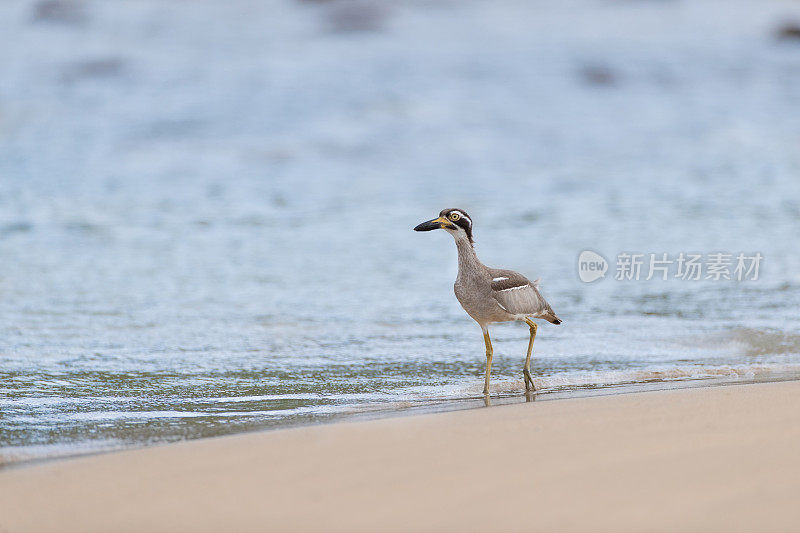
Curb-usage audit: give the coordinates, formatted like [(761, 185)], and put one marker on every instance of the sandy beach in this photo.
[(703, 459)]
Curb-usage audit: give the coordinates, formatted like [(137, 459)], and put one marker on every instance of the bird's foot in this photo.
[(530, 396), (529, 386)]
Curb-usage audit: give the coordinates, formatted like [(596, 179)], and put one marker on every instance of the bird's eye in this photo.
[(454, 216)]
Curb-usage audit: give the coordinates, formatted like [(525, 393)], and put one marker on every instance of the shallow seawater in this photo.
[(206, 212)]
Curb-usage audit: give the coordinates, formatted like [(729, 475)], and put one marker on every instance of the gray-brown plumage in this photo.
[(491, 294)]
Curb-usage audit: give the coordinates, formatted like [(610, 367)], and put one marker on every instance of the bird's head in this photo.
[(455, 221)]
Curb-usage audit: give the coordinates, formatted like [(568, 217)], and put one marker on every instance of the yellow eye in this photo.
[(454, 216)]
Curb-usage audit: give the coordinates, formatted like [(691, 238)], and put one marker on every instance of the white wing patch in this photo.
[(501, 278), (513, 288)]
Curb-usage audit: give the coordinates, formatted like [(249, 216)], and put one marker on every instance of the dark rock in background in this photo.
[(789, 31), (71, 12)]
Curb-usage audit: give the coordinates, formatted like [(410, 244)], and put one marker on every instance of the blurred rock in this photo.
[(60, 11), (16, 227), (279, 200), (531, 216), (789, 31), (356, 16), (107, 67), (597, 75)]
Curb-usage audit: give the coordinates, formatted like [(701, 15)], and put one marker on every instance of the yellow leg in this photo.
[(489, 354), (527, 370)]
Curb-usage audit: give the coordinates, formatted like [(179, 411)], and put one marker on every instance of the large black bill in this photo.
[(429, 225)]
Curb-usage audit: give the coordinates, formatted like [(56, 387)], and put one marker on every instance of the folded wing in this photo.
[(519, 296)]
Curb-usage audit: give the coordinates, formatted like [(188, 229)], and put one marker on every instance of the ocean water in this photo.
[(206, 207)]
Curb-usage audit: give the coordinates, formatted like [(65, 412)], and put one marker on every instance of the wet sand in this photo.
[(708, 459)]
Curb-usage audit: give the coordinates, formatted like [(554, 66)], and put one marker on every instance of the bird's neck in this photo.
[(467, 258)]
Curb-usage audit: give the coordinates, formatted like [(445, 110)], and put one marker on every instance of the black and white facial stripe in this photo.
[(460, 218)]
